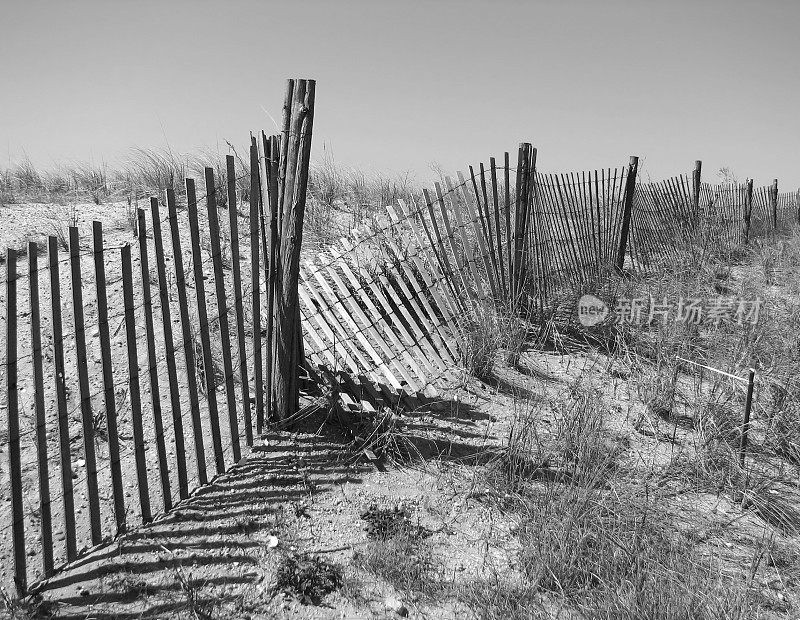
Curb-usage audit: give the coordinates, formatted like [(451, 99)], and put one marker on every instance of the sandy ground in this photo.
[(300, 488)]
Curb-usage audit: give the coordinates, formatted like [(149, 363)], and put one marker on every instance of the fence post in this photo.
[(746, 422), (109, 395), (233, 218), (295, 153), (187, 338), (270, 246), (222, 308), (83, 386), (134, 389), (698, 168), (67, 491), (630, 188), (14, 460), (169, 350), (255, 284), (41, 430), (774, 204), (797, 205), (202, 323), (748, 211), (152, 364)]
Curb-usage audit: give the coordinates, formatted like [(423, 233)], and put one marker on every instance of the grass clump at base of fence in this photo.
[(486, 332)]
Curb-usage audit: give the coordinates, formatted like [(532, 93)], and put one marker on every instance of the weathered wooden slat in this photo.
[(45, 511), (169, 347), (187, 339), (497, 227), (152, 364), (507, 209), (109, 396), (134, 389), (222, 311), (205, 335), (255, 285), (233, 216), (61, 400), (83, 385), (12, 411)]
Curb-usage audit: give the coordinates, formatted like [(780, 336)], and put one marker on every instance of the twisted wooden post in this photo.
[(295, 152)]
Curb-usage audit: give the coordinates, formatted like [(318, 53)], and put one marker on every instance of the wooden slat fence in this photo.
[(156, 370)]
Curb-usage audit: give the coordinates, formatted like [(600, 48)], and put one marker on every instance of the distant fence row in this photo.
[(162, 365)]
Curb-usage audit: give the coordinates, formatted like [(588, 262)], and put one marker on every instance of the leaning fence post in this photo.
[(295, 154), (630, 187), (746, 423)]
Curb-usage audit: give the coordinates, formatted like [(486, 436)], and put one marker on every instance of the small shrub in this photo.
[(386, 523), (396, 552), (308, 578), (402, 562)]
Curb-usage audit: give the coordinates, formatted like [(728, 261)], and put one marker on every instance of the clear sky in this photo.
[(407, 83)]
